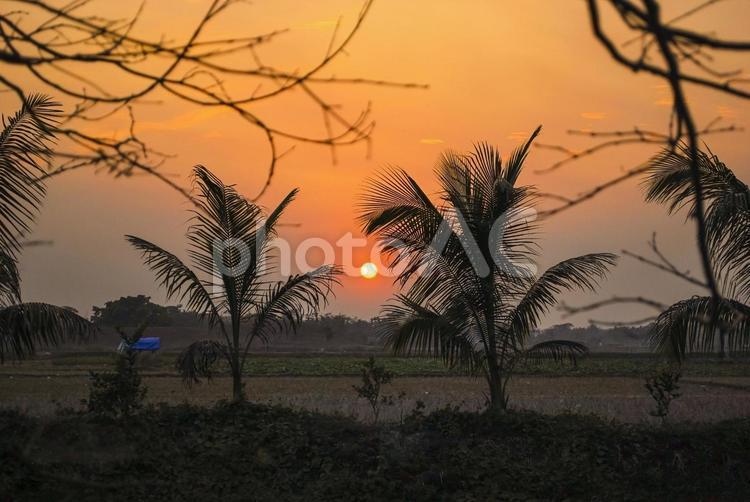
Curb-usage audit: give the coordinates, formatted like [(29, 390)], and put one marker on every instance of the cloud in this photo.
[(322, 24), (726, 112), (183, 121), (664, 102), (431, 141), (518, 136), (594, 115)]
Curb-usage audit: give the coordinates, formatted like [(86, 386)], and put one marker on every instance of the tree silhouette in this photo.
[(682, 57), (69, 47), (686, 325), (24, 145), (474, 306), (229, 245)]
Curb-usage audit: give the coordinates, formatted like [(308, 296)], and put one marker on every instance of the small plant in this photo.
[(664, 388), (121, 393), (374, 376)]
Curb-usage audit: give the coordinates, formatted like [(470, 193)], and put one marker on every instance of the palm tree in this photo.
[(470, 300), (24, 149), (229, 246), (687, 325)]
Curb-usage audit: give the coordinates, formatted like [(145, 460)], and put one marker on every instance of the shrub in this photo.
[(121, 393), (374, 376), (664, 388)]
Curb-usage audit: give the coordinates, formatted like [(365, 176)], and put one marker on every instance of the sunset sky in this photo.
[(496, 69)]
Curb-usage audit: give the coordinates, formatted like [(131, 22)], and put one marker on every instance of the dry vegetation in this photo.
[(606, 386)]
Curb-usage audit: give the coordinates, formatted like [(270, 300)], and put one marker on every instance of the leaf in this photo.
[(27, 327), (286, 304), (24, 149), (198, 359), (180, 282), (686, 327), (556, 350)]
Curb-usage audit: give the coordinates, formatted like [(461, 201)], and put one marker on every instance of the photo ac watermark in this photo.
[(233, 256)]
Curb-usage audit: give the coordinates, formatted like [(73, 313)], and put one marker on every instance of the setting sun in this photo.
[(368, 270)]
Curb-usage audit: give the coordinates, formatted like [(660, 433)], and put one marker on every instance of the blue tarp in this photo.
[(148, 343)]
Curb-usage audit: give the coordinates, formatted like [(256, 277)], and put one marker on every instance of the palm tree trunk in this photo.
[(238, 394), (498, 389), (498, 397)]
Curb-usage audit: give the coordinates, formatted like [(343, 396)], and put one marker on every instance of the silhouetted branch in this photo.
[(661, 263), (664, 264), (53, 42), (625, 137), (570, 202), (615, 300), (685, 57)]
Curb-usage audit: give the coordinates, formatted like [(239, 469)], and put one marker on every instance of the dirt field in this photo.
[(621, 398)]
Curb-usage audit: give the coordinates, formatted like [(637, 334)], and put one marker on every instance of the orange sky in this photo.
[(496, 69)]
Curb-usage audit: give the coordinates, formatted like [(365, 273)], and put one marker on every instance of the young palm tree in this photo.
[(685, 326), (229, 245), (469, 299), (24, 149)]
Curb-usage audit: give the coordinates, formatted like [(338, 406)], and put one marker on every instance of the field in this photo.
[(608, 385)]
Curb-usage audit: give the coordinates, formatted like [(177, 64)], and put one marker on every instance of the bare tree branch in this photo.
[(52, 43), (664, 264), (683, 57)]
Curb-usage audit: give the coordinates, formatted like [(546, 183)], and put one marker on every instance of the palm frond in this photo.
[(518, 157), (198, 360), (486, 166), (556, 350), (669, 179), (727, 213), (399, 213), (410, 329), (180, 282), (461, 180), (24, 148), (223, 236), (686, 327), (10, 282), (580, 273), (274, 216), (222, 211), (27, 327), (286, 304), (391, 198), (258, 266), (222, 215)]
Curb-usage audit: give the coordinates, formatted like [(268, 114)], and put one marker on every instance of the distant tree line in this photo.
[(134, 310)]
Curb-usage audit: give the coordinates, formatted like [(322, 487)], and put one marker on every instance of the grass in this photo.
[(621, 398), (255, 452), (610, 386), (263, 364)]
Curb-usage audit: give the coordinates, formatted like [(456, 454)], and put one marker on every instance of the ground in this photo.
[(306, 436), (256, 452), (610, 386)]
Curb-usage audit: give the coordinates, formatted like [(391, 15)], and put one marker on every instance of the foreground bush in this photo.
[(120, 393), (250, 452)]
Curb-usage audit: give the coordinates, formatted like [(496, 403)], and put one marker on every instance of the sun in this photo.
[(368, 270)]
